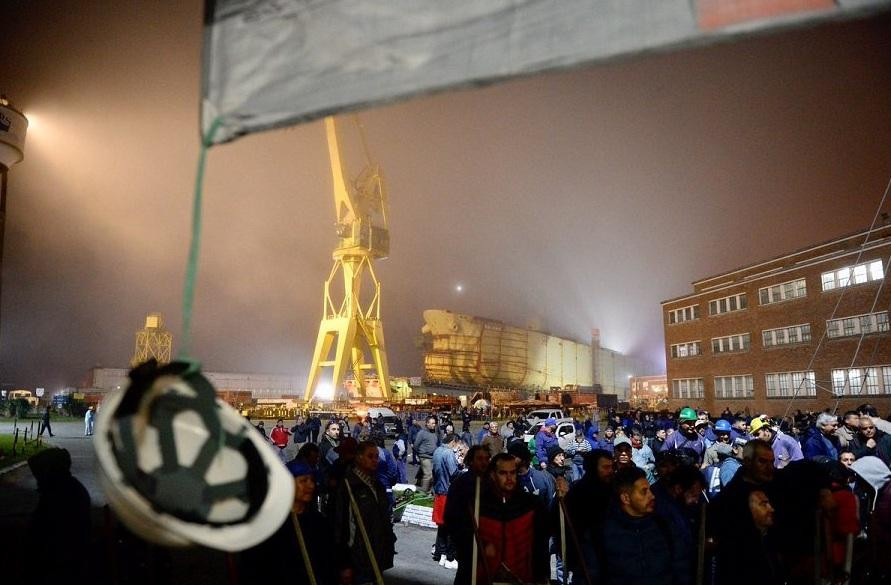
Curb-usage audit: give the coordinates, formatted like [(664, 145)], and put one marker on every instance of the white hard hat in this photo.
[(181, 467)]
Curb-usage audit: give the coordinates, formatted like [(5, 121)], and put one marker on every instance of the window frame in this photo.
[(785, 383), (743, 347), (728, 304), (852, 325), (798, 292), (846, 276)]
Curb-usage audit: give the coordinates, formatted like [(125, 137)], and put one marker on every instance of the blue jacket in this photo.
[(543, 442), (540, 484), (387, 471), (677, 440), (445, 467), (735, 434), (605, 444), (818, 445), (728, 469)]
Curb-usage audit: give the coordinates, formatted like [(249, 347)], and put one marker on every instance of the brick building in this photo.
[(810, 327)]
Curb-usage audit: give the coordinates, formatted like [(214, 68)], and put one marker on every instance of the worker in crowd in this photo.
[(544, 440), (785, 448), (686, 436), (823, 442), (511, 531), (329, 441), (280, 437), (425, 443), (447, 460)]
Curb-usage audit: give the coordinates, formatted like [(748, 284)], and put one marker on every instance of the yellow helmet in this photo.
[(758, 423)]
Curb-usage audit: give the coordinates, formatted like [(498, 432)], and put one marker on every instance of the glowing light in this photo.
[(459, 288), (324, 391)]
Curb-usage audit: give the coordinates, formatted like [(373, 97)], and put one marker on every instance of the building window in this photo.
[(683, 314), (727, 304), (686, 388), (733, 386), (793, 289), (781, 384), (842, 277), (689, 349), (861, 381), (731, 343), (858, 325), (786, 335)]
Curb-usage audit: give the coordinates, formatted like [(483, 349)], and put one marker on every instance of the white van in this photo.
[(389, 418)]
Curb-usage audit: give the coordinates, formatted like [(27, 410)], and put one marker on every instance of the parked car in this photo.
[(389, 418), (544, 414), (565, 430)]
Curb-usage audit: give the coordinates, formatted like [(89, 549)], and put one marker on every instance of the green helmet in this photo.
[(687, 414)]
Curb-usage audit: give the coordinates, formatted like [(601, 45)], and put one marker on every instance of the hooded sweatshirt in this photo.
[(873, 471)]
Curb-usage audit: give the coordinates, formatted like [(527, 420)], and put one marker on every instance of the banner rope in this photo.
[(195, 245)]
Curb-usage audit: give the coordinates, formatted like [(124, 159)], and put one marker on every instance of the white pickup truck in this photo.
[(543, 414)]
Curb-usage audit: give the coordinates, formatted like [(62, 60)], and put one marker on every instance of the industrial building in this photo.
[(486, 353), (649, 392), (261, 386), (804, 330)]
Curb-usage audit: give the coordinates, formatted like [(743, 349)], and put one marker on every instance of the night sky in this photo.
[(576, 200)]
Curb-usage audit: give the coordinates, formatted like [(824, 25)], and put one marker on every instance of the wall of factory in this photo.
[(616, 371), (260, 385)]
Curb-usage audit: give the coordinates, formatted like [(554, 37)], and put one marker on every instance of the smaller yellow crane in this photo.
[(153, 341), (353, 323)]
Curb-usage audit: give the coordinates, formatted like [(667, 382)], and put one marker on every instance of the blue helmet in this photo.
[(722, 426)]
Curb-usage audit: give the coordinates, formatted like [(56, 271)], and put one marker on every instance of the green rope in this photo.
[(192, 263)]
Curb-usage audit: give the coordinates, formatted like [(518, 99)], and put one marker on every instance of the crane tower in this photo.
[(351, 324), (153, 341)]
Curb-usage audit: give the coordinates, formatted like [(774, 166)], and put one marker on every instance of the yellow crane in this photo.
[(350, 324)]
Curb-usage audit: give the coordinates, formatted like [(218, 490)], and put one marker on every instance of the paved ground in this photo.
[(18, 497)]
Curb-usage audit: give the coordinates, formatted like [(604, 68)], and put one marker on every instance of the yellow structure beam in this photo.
[(351, 326)]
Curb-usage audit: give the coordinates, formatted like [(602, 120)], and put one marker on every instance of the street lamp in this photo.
[(13, 127)]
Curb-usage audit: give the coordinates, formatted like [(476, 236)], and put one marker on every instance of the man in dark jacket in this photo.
[(513, 531), (301, 431), (315, 425), (362, 492), (460, 502), (58, 542), (329, 441), (823, 442), (636, 545), (280, 554), (870, 441)]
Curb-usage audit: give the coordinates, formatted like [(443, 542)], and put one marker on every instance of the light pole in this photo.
[(13, 127)]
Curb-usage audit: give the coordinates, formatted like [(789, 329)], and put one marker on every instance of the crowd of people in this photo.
[(640, 498), (680, 498)]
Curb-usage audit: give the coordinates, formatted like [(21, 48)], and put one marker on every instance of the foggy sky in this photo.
[(577, 199)]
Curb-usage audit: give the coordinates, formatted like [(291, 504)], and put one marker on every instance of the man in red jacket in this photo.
[(513, 530), (279, 437)]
